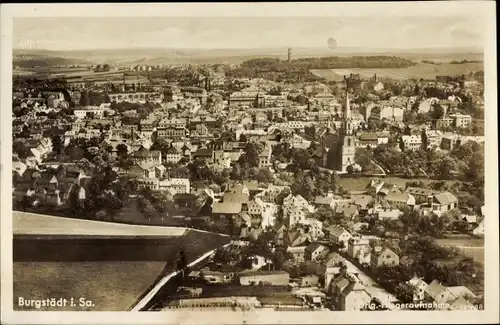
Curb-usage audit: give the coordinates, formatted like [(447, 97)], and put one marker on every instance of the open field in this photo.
[(472, 247), (360, 183), (421, 70)]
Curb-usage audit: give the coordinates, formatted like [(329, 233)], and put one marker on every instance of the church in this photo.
[(339, 148)]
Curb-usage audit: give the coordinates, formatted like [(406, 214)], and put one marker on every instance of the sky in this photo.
[(83, 33)]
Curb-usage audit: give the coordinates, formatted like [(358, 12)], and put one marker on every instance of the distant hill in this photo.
[(29, 58), (25, 59)]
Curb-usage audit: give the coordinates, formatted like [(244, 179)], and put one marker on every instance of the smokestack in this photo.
[(290, 54)]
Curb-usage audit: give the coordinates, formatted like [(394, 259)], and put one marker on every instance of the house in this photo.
[(226, 210), (310, 280), (348, 293), (442, 202), (339, 236), (144, 156), (178, 185), (400, 200), (143, 170), (411, 142), (421, 194), (313, 251), (298, 252), (384, 257), (265, 158), (327, 201), (438, 293), (272, 278), (297, 237), (367, 140), (263, 210), (419, 287), (462, 292), (205, 154), (356, 244), (390, 214)]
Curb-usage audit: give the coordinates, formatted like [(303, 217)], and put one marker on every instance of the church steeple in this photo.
[(347, 104), (347, 124)]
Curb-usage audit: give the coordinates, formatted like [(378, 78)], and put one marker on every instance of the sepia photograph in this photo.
[(238, 160)]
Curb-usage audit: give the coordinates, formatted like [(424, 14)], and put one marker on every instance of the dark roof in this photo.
[(312, 247), (203, 152)]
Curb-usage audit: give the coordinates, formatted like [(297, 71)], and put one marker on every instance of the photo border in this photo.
[(485, 9)]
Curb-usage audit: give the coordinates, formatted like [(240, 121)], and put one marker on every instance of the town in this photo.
[(360, 191)]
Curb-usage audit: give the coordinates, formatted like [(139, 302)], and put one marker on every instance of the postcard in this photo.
[(249, 163)]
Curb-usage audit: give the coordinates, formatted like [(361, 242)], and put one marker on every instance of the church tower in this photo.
[(346, 137)]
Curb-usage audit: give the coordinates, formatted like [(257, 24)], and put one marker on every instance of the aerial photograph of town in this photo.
[(268, 163)]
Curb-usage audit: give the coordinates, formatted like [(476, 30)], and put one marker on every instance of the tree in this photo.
[(121, 150), (446, 167), (437, 112), (20, 148), (57, 144), (264, 175), (404, 292)]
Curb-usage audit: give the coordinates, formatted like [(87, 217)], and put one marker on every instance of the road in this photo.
[(372, 287)]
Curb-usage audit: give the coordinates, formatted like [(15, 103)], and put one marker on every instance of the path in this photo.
[(379, 167)]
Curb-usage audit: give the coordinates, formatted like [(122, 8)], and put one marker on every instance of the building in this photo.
[(136, 97), (431, 139), (419, 286), (272, 278), (338, 236), (313, 251), (384, 257), (92, 111), (245, 99), (357, 244), (389, 113), (438, 293), (461, 120), (348, 293), (444, 122), (442, 202), (341, 155), (179, 185), (265, 157), (298, 253), (411, 142)]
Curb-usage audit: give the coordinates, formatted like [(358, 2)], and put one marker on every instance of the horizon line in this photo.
[(478, 48)]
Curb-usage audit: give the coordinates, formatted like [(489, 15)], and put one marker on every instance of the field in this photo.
[(360, 183), (421, 70), (472, 247)]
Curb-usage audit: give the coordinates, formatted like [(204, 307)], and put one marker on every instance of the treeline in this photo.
[(333, 62), (465, 61), (298, 70)]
